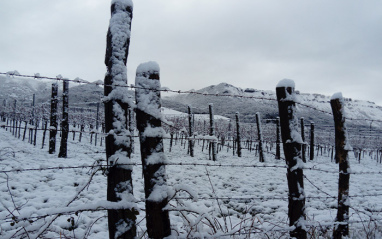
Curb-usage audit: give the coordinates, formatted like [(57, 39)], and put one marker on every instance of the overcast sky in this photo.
[(325, 46)]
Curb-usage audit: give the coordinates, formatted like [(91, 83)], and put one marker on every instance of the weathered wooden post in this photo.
[(35, 131), (303, 146), (43, 136), (238, 138), (65, 121), (14, 117), (292, 149), (341, 156), (149, 124), (121, 222), (212, 144), (260, 138), (53, 119), (96, 127), (311, 154), (33, 109), (278, 150), (190, 131)]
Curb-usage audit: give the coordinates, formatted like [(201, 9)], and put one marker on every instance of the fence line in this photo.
[(176, 91)]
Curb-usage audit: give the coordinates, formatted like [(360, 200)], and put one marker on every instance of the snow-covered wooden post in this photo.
[(278, 151), (121, 222), (190, 131), (53, 119), (96, 128), (303, 139), (311, 153), (149, 124), (33, 109), (14, 117), (341, 157), (65, 120), (260, 138), (292, 149), (212, 148), (238, 138)]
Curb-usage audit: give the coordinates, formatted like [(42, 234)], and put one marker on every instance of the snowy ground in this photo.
[(252, 200)]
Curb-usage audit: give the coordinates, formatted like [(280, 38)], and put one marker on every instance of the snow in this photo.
[(125, 3), (254, 194), (148, 67), (337, 95), (286, 83), (148, 100)]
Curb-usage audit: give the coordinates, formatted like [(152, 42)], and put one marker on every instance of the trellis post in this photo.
[(292, 149), (121, 222), (238, 137), (53, 119), (341, 157), (149, 124), (311, 154), (65, 121)]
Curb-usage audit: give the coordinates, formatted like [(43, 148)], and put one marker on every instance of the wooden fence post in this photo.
[(238, 138), (33, 110), (292, 149), (260, 138), (212, 144), (14, 117), (147, 97), (65, 121), (190, 131), (303, 146), (96, 127), (341, 157), (53, 119), (121, 222), (278, 150), (311, 154)]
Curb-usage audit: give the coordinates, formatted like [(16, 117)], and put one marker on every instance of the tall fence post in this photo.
[(303, 146), (238, 137), (311, 154), (190, 131), (341, 157), (65, 121), (53, 119), (147, 97), (121, 222), (260, 138), (33, 109), (212, 148), (14, 117), (278, 150), (292, 149), (96, 127)]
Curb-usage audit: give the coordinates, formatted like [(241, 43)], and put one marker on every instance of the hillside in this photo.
[(253, 101), (247, 104)]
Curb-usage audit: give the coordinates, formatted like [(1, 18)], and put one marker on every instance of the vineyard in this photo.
[(122, 166), (234, 196)]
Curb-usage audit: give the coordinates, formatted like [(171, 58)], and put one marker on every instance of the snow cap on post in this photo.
[(147, 68), (286, 83), (337, 95), (147, 93), (122, 3)]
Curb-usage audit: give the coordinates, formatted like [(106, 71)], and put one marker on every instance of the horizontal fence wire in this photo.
[(105, 166), (77, 80)]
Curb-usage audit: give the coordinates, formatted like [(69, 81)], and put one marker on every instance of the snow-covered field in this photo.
[(252, 196)]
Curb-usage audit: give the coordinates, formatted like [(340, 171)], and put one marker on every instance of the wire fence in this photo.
[(172, 123)]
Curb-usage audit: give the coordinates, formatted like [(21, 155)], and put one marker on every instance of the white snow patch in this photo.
[(286, 83)]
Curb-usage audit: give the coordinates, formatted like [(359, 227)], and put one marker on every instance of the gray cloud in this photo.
[(325, 46)]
